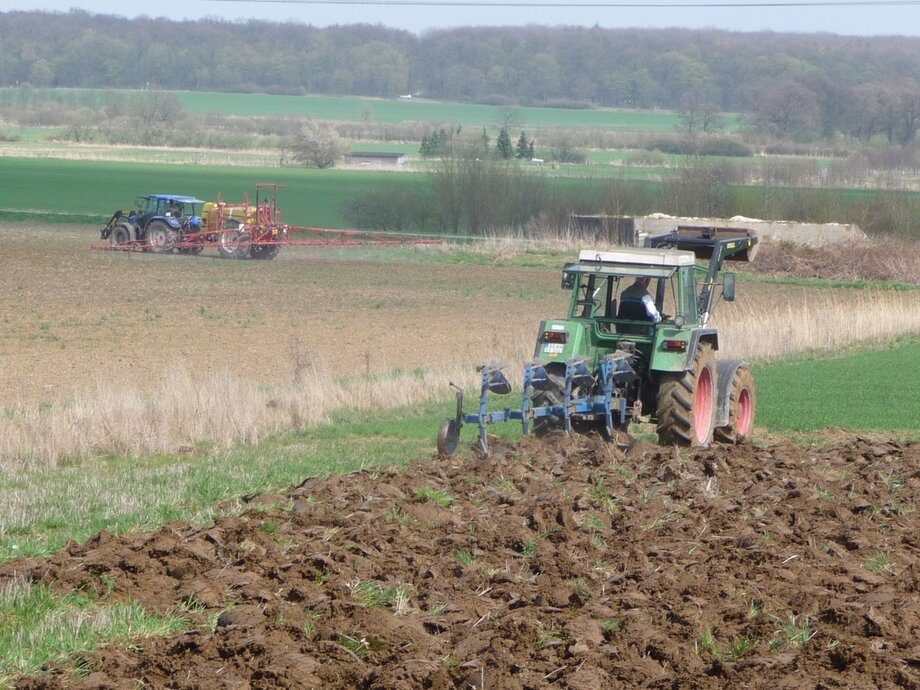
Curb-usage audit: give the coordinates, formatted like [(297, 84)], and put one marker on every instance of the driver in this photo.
[(638, 292)]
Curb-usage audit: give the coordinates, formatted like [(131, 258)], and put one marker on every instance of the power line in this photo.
[(581, 3)]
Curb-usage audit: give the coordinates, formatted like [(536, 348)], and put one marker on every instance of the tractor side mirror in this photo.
[(568, 281), (728, 287)]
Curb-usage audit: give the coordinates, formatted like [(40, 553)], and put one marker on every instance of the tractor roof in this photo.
[(176, 197), (671, 258)]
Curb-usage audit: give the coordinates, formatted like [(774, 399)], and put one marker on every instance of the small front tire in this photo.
[(122, 236)]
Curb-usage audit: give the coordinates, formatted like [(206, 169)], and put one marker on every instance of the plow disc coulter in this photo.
[(636, 345), (163, 223)]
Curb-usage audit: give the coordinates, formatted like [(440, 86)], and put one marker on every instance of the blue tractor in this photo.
[(160, 223)]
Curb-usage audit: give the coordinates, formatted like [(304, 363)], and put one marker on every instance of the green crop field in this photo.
[(90, 191), (381, 110), (311, 197), (419, 110), (878, 389)]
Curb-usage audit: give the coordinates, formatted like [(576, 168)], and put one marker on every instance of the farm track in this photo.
[(565, 564)]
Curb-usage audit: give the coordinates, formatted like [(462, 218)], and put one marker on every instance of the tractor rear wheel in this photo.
[(742, 405), (161, 238), (686, 403)]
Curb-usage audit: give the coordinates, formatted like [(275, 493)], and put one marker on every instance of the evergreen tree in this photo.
[(503, 145), (530, 150), (520, 149)]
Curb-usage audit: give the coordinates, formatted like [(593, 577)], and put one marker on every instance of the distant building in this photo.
[(389, 160)]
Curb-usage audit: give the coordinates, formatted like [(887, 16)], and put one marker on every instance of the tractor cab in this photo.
[(174, 209), (607, 287), (641, 296)]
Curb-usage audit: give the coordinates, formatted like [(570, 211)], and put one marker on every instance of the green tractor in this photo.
[(636, 344)]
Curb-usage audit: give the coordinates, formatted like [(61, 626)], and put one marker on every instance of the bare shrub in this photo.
[(564, 151), (318, 145), (876, 259), (392, 208), (628, 197), (697, 189)]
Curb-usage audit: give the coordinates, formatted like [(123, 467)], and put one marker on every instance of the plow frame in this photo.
[(605, 405)]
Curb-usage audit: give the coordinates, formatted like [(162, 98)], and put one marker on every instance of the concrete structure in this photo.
[(376, 158)]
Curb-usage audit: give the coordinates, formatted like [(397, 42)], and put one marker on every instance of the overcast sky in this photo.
[(853, 20)]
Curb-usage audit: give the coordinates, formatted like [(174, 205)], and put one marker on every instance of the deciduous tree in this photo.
[(318, 145)]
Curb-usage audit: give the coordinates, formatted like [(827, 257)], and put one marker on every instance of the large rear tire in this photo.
[(742, 406), (686, 403), (161, 239)]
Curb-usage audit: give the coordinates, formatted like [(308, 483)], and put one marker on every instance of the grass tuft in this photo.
[(39, 626)]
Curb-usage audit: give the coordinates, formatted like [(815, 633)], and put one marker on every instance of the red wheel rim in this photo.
[(702, 410), (745, 412)]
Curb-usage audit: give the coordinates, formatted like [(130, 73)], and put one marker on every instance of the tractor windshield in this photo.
[(616, 295)]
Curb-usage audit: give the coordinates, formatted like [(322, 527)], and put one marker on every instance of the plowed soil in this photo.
[(564, 563)]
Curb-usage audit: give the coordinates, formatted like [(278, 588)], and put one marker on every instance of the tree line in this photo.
[(793, 86), (466, 193)]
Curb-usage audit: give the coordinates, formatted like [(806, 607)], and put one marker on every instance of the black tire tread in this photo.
[(674, 409)]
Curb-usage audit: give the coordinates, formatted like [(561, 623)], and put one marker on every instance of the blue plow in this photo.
[(605, 404)]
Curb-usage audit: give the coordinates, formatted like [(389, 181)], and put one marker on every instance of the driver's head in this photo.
[(643, 281)]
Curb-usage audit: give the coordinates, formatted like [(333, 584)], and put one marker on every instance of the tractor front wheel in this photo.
[(686, 403), (161, 238), (121, 236), (742, 404)]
